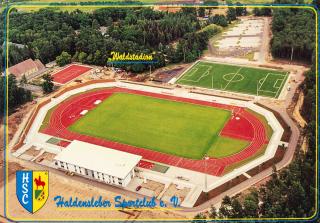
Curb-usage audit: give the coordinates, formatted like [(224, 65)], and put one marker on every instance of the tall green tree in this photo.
[(16, 95), (293, 34), (23, 80), (213, 213), (47, 84), (63, 59), (200, 218), (251, 205), (240, 10), (231, 14), (50, 35), (226, 209), (201, 12)]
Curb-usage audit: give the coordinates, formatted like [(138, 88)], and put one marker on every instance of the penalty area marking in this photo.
[(274, 84), (192, 71), (204, 74), (281, 85)]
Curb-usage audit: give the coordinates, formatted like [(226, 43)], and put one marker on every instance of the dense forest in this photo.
[(291, 191), (297, 182), (171, 37), (293, 34)]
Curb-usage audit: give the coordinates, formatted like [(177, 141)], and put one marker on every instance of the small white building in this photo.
[(97, 162)]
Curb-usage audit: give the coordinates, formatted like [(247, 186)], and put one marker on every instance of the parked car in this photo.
[(138, 188)]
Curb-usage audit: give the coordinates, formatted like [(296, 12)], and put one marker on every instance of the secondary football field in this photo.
[(225, 77), (182, 129)]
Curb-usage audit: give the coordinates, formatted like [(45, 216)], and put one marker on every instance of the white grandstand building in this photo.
[(97, 162)]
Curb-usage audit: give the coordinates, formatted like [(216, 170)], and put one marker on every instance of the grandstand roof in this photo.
[(98, 158)]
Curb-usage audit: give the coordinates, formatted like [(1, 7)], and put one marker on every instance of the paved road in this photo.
[(265, 40), (33, 88)]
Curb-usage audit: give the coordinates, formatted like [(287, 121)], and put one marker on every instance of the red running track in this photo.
[(145, 164), (63, 143), (69, 73), (238, 126), (69, 110)]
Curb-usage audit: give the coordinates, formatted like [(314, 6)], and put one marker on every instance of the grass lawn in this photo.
[(225, 146), (177, 128), (263, 82), (46, 120)]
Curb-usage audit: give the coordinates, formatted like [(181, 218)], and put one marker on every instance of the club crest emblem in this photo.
[(32, 189)]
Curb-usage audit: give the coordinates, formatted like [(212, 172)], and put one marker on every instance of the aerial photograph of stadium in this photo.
[(158, 111)]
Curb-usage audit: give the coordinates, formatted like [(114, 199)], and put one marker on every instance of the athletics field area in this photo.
[(162, 128)]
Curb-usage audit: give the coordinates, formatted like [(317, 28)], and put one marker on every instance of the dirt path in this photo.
[(296, 112), (265, 41), (15, 120)]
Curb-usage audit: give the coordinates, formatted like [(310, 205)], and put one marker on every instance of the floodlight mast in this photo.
[(205, 173)]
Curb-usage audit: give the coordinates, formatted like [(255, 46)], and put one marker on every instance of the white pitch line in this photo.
[(263, 81), (281, 85), (206, 73), (275, 83), (232, 79), (212, 81), (193, 70), (268, 91), (278, 88)]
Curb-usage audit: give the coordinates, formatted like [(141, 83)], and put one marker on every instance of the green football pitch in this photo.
[(177, 128), (248, 80)]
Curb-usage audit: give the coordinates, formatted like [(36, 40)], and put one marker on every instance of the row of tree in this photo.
[(293, 34), (16, 95), (50, 35), (290, 193)]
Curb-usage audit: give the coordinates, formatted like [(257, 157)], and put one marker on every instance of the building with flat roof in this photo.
[(97, 162)]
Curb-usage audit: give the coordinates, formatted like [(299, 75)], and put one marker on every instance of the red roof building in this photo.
[(26, 68)]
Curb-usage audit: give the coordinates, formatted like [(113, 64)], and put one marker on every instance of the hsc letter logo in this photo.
[(32, 189)]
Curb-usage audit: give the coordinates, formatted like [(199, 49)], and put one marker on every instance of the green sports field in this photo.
[(248, 80), (182, 129)]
